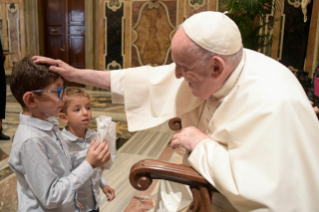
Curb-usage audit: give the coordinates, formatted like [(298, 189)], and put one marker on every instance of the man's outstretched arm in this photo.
[(99, 79)]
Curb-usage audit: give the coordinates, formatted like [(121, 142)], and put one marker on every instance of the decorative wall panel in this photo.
[(139, 32), (195, 6), (114, 35), (153, 26), (295, 34), (14, 41)]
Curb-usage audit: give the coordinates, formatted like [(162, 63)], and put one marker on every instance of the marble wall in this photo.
[(12, 30), (139, 32), (122, 34)]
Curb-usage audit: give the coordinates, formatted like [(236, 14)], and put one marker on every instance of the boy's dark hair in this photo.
[(73, 92), (27, 76)]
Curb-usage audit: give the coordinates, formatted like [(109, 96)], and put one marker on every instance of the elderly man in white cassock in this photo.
[(247, 122)]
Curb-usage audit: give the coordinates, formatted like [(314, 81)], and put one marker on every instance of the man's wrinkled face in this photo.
[(195, 72)]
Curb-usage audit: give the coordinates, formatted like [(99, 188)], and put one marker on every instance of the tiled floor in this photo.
[(133, 147)]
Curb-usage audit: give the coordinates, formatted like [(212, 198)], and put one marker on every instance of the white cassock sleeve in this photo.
[(152, 95)]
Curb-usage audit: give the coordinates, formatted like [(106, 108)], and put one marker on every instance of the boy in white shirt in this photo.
[(77, 114), (45, 169)]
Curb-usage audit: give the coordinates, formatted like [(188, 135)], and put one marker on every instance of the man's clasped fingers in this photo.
[(188, 138), (175, 141)]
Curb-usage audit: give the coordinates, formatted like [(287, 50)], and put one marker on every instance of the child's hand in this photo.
[(109, 192), (98, 154), (81, 206)]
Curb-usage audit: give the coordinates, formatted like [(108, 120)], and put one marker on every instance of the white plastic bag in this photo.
[(106, 131)]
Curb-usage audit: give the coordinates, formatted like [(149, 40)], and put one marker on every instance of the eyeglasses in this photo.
[(60, 91)]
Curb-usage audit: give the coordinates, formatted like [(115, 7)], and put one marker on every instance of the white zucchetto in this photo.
[(214, 31)]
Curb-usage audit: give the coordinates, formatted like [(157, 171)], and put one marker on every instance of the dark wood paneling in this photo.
[(55, 10), (77, 51), (54, 26), (77, 30), (76, 11), (64, 29), (55, 50)]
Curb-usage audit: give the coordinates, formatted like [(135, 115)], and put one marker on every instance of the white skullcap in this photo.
[(214, 31)]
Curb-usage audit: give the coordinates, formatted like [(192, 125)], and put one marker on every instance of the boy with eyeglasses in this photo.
[(47, 180)]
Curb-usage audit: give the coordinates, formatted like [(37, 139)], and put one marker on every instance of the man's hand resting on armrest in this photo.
[(188, 138)]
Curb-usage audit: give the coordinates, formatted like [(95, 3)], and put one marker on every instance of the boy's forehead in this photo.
[(56, 84), (77, 100)]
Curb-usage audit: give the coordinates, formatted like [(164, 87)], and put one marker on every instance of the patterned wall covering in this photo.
[(14, 37), (12, 31), (139, 32), (153, 25)]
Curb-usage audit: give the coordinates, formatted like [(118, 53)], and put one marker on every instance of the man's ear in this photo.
[(64, 118), (28, 99), (217, 66)]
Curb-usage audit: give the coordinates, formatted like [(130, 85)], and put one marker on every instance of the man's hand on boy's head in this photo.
[(98, 153), (58, 66), (109, 192)]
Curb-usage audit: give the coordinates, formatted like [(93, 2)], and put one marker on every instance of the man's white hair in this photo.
[(203, 55)]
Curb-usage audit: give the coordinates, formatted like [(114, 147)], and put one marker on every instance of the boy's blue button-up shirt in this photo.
[(89, 193), (43, 164)]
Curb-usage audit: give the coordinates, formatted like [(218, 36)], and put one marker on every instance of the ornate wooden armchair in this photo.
[(144, 171)]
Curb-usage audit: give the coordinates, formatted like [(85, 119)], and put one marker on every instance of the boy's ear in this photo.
[(28, 99), (63, 117)]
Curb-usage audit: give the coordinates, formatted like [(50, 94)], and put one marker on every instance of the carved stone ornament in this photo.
[(114, 5), (196, 3), (114, 65), (304, 4), (12, 8), (295, 3)]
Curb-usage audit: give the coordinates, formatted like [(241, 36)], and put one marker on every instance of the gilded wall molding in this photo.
[(196, 3), (192, 7), (295, 3), (113, 65), (114, 5), (113, 34)]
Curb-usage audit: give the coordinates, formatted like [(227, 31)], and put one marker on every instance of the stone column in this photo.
[(89, 39), (31, 27)]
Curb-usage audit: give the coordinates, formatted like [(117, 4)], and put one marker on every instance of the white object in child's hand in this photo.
[(106, 131)]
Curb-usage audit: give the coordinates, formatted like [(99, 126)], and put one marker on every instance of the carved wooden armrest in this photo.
[(144, 171), (175, 124)]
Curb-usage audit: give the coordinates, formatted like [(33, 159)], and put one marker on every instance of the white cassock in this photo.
[(263, 151)]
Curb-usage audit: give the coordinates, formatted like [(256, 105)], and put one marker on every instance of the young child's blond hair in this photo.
[(71, 93)]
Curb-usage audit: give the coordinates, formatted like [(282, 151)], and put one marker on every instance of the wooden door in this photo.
[(76, 33), (54, 29), (64, 25)]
